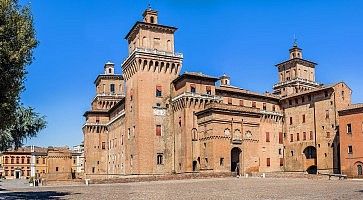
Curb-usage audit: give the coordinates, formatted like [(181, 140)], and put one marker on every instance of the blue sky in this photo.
[(244, 39)]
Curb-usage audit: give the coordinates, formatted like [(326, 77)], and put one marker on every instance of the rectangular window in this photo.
[(280, 151), (290, 102), (297, 137), (209, 90), (158, 91), (327, 114), (192, 88), (93, 169), (281, 162), (328, 134), (254, 104), (349, 128), (158, 130), (112, 88), (267, 137), (291, 137), (241, 103), (280, 138), (273, 108), (264, 106), (56, 169), (268, 162), (311, 135), (304, 136), (350, 149), (290, 120), (303, 118), (221, 161), (159, 159), (103, 145), (229, 101)]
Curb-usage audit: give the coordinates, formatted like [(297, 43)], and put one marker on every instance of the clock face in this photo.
[(248, 134)]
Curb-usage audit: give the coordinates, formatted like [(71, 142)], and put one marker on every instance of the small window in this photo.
[(103, 145), (290, 120), (268, 164), (229, 101), (267, 137), (290, 102), (359, 170), (192, 88), (297, 137), (273, 108), (280, 138), (264, 106), (303, 118), (158, 130), (281, 162), (221, 161), (291, 137), (304, 136), (349, 128), (241, 103), (292, 153), (56, 169), (93, 169), (112, 88), (209, 90), (280, 151), (159, 159), (350, 149), (152, 20), (326, 114), (158, 92), (328, 134), (254, 104)]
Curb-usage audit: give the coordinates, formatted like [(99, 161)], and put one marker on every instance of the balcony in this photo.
[(296, 80), (153, 51)]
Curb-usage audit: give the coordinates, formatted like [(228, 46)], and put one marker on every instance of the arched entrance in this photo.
[(310, 152), (312, 169), (235, 160)]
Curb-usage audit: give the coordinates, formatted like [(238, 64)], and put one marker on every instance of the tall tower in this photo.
[(109, 91), (296, 74), (149, 69)]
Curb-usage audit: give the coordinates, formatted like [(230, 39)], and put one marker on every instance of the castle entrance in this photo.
[(235, 160)]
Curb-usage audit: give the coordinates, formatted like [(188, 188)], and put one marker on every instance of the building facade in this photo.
[(351, 140), (153, 120)]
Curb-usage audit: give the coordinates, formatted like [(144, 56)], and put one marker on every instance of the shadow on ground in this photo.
[(33, 195)]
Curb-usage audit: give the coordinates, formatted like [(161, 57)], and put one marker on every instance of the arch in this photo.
[(312, 169), (235, 160), (152, 20), (310, 152), (358, 168), (194, 134)]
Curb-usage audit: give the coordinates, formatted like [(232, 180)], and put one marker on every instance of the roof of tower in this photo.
[(140, 24), (197, 75), (108, 76), (297, 60)]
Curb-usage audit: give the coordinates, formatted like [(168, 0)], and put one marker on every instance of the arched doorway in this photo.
[(310, 152), (312, 169), (235, 160)]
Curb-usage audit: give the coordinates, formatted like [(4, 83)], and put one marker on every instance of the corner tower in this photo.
[(296, 74), (149, 69)]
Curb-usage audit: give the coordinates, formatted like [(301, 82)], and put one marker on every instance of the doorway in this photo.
[(17, 174), (235, 160)]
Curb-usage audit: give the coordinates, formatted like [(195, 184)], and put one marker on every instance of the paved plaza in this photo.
[(222, 188)]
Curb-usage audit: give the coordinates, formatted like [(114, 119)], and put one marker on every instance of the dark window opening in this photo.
[(112, 88), (158, 92)]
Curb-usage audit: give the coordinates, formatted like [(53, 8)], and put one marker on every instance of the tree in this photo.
[(17, 42)]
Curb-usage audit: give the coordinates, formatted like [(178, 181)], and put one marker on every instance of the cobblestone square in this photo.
[(222, 188)]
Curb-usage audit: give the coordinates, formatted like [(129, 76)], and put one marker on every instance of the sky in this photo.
[(244, 39)]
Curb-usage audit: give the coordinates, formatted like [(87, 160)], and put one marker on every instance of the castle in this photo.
[(153, 120)]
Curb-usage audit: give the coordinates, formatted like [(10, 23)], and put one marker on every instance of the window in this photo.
[(22, 160), (28, 160), (268, 162), (267, 137), (93, 169), (159, 159), (264, 106), (209, 90), (103, 145), (359, 170), (43, 160), (349, 128), (281, 162), (350, 149), (311, 135), (291, 137), (241, 104), (128, 133), (122, 139), (303, 118), (280, 138), (328, 134), (56, 169), (254, 104), (6, 160), (221, 161), (280, 151), (290, 102), (290, 120), (326, 114), (229, 101), (158, 91), (12, 160), (37, 161), (112, 88), (304, 136), (192, 88), (17, 160), (292, 153), (158, 130), (273, 108), (131, 160), (131, 94), (343, 95), (297, 137)]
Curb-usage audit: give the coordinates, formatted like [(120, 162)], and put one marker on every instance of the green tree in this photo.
[(17, 42)]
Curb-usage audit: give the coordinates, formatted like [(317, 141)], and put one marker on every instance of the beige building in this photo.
[(154, 120)]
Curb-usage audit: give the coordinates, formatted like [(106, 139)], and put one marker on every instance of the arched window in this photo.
[(194, 134), (159, 159), (168, 45), (152, 19), (359, 170)]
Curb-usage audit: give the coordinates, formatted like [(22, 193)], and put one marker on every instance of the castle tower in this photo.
[(109, 91), (296, 74), (150, 68)]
